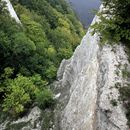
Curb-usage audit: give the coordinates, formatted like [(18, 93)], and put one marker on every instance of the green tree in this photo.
[(21, 91), (51, 72), (44, 98), (114, 26), (33, 51), (115, 21), (22, 45)]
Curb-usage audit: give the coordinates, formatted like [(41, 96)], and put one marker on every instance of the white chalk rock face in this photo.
[(79, 113), (86, 88), (11, 10), (28, 122), (92, 76)]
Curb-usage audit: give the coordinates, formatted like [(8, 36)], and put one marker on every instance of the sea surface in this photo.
[(85, 9)]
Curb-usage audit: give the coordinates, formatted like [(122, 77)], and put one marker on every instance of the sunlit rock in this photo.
[(11, 10)]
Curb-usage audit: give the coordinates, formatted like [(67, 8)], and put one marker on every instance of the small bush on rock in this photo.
[(22, 91), (44, 98)]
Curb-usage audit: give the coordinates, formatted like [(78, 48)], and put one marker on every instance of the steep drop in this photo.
[(87, 89), (11, 11), (92, 75)]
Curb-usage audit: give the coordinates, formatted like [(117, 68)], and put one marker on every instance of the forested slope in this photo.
[(31, 52)]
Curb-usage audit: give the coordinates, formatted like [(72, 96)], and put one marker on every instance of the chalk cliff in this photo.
[(92, 75), (86, 88), (11, 10)]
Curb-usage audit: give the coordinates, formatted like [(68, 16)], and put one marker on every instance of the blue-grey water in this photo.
[(84, 9)]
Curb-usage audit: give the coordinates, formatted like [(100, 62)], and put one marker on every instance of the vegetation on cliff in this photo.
[(115, 21), (114, 27), (31, 53)]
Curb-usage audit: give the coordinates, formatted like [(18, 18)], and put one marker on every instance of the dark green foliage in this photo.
[(31, 53), (36, 46), (44, 98), (115, 21), (125, 73), (114, 102), (53, 29), (125, 92), (125, 97)]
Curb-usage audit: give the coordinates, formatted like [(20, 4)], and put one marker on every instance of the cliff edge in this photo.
[(92, 76)]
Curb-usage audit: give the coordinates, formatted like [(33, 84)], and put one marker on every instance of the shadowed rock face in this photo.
[(11, 11)]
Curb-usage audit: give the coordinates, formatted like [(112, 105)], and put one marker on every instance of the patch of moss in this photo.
[(125, 73), (125, 97), (125, 92), (47, 119), (113, 102), (18, 126), (117, 85)]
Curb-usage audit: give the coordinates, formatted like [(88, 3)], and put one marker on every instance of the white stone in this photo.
[(57, 96), (91, 74), (11, 10)]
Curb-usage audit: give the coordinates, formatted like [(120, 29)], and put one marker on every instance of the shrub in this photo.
[(113, 102), (51, 72), (44, 98), (21, 91), (14, 102), (114, 24), (125, 73), (49, 32)]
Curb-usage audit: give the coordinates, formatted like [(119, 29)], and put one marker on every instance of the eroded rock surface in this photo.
[(87, 90), (110, 111), (92, 74), (30, 122)]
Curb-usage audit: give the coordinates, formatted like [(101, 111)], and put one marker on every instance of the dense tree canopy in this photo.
[(31, 53)]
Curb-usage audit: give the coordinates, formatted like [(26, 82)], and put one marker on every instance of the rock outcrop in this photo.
[(30, 122), (87, 89), (92, 75)]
